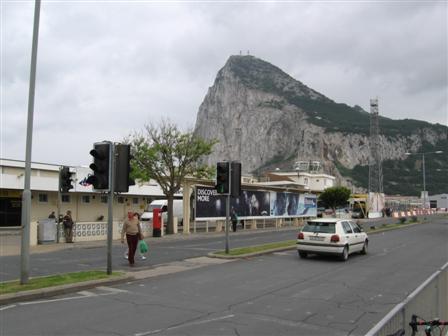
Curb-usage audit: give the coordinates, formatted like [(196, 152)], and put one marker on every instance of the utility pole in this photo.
[(26, 196)]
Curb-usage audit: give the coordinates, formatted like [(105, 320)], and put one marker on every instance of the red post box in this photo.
[(156, 223)]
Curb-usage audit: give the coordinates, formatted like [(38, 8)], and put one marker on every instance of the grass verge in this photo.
[(257, 248), (54, 280)]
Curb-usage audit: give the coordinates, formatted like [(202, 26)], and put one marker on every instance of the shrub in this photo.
[(414, 219), (402, 220)]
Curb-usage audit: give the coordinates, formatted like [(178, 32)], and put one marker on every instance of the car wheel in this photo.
[(344, 255), (365, 247), (303, 254)]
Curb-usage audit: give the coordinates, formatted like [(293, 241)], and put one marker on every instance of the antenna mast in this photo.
[(375, 161)]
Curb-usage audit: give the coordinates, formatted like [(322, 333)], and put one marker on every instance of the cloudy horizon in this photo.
[(107, 68)]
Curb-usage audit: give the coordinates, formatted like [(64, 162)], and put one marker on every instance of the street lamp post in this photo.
[(424, 171)]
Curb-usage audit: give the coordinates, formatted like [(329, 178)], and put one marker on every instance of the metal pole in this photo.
[(26, 196), (228, 209), (58, 208), (110, 207), (424, 182), (227, 222)]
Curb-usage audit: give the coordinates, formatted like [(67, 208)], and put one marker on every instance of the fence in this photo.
[(429, 300)]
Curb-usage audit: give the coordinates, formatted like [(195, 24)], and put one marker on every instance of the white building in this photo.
[(85, 204), (312, 182), (438, 201)]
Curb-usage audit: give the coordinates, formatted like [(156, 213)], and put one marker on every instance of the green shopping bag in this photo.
[(142, 246)]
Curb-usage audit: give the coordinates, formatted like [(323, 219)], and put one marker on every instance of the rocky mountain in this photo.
[(266, 119)]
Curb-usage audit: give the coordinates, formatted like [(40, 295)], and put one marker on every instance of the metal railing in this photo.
[(429, 300)]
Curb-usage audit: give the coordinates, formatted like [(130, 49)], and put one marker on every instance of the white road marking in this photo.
[(7, 307), (113, 290), (151, 332), (53, 300)]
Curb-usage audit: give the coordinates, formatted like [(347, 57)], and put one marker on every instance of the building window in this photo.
[(103, 199), (43, 198), (65, 198), (135, 200), (306, 180), (85, 198), (120, 200)]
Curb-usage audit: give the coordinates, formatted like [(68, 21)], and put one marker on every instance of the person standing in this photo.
[(67, 222), (132, 231), (52, 215), (234, 219)]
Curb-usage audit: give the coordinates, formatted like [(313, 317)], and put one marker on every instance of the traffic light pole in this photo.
[(58, 214), (228, 210), (110, 207), (227, 222)]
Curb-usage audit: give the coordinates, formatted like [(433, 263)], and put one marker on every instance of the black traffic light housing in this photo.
[(123, 168), (100, 166), (65, 179), (223, 177), (235, 181)]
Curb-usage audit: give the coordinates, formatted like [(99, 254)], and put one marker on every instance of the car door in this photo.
[(358, 236), (349, 236)]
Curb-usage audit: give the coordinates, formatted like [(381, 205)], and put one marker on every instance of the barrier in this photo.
[(429, 300)]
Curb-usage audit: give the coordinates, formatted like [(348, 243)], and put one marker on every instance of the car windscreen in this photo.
[(321, 227)]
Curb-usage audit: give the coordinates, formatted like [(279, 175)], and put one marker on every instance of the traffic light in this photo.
[(235, 181), (123, 168), (65, 179), (222, 177), (100, 166)]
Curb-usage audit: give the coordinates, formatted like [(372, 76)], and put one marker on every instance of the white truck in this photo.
[(163, 206)]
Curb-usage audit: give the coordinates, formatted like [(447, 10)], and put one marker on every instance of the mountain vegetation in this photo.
[(266, 119)]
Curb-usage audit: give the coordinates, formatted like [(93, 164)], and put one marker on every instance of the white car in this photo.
[(332, 236)]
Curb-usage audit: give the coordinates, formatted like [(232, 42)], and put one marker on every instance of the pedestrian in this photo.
[(52, 215), (67, 222), (234, 219), (142, 255), (131, 229)]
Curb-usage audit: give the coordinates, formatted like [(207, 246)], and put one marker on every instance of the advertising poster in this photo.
[(285, 204), (254, 204)]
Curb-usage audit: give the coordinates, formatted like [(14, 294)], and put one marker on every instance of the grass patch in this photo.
[(54, 280), (258, 248)]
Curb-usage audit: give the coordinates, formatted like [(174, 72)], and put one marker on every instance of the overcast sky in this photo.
[(106, 68)]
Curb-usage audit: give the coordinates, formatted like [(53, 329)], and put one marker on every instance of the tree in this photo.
[(335, 197), (167, 155)]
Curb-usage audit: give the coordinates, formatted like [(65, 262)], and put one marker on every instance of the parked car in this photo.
[(334, 236), (163, 206)]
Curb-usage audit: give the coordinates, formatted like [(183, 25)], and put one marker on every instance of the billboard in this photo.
[(254, 204)]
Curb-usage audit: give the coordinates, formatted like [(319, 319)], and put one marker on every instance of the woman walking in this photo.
[(131, 229)]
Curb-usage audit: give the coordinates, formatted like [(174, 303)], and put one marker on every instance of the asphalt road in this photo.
[(78, 257), (277, 294)]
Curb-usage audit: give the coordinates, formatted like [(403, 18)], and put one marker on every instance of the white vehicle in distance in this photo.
[(163, 206), (334, 236)]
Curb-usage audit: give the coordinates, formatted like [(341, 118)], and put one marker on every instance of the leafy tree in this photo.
[(335, 197), (163, 153)]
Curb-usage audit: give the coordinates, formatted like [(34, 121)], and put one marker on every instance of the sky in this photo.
[(105, 69)]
